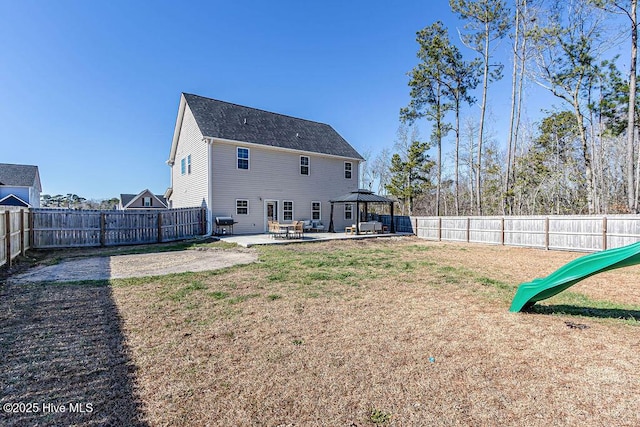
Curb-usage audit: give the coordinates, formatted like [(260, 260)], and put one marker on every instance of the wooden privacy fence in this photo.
[(54, 228), (15, 233), (579, 233)]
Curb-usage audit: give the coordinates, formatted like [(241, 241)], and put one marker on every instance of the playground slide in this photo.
[(573, 272)]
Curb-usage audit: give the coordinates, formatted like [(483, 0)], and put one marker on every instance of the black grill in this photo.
[(224, 225), (224, 220)]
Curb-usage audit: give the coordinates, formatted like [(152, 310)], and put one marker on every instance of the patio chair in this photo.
[(298, 229)]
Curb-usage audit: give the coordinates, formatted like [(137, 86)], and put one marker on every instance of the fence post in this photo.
[(604, 233), (159, 227), (103, 226), (439, 229), (204, 220), (546, 233), (7, 235), (415, 228), (502, 231), (22, 248), (32, 237), (468, 228)]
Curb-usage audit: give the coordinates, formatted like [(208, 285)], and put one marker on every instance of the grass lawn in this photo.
[(375, 332)]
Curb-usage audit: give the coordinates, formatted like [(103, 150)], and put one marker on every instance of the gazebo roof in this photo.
[(361, 195)]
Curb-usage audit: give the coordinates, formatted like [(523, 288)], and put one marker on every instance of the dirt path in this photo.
[(138, 265)]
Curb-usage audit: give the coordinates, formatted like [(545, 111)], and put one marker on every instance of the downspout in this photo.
[(209, 200)]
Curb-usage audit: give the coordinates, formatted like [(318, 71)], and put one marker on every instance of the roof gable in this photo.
[(128, 199), (13, 200), (224, 120), (19, 176)]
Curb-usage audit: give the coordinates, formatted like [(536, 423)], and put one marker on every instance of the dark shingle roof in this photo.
[(18, 175), (219, 119)]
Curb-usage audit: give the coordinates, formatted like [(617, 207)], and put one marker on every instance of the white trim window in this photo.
[(242, 155), (189, 164), (183, 166), (348, 211), (146, 202), (287, 210), (304, 165), (348, 169), (316, 211), (242, 207)]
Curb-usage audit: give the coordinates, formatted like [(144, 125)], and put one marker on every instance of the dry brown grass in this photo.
[(389, 331), (264, 345)]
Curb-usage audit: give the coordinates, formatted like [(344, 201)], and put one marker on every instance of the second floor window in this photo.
[(348, 166), (146, 202), (304, 165), (189, 164), (243, 158)]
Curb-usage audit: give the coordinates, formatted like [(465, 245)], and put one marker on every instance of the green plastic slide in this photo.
[(569, 274)]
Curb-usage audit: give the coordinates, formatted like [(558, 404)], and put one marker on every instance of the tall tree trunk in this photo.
[(585, 154), (457, 160), (506, 204), (632, 199), (483, 107)]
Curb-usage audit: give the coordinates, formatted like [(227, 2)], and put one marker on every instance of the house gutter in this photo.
[(209, 142)]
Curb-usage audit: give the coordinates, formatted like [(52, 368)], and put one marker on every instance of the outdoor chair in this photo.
[(298, 229)]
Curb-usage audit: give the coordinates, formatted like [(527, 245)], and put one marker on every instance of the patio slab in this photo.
[(248, 240)]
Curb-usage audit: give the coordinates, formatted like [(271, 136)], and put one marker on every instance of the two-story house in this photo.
[(256, 166), (20, 185)]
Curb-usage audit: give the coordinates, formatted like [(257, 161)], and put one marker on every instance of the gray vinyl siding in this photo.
[(190, 190), (274, 174)]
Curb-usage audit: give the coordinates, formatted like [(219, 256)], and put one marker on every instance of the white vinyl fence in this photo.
[(576, 233)]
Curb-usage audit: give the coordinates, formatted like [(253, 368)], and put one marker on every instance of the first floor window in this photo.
[(287, 210), (243, 158), (348, 166), (304, 165), (316, 211), (348, 211), (242, 207)]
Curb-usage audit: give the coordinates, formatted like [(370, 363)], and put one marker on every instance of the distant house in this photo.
[(20, 185), (143, 200), (256, 166)]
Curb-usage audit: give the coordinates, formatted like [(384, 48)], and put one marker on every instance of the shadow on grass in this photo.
[(62, 349), (603, 313)]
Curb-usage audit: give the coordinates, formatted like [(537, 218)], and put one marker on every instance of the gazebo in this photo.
[(358, 197)]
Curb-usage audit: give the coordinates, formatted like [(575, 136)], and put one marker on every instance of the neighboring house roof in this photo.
[(19, 176), (13, 200), (224, 120), (128, 199)]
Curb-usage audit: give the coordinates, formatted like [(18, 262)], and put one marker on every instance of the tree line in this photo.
[(73, 201), (581, 157)]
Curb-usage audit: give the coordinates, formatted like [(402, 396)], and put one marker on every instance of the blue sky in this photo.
[(91, 88)]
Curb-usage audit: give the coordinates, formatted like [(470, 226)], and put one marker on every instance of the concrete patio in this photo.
[(248, 240)]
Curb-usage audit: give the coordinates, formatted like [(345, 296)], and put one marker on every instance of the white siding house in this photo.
[(255, 165), (20, 185)]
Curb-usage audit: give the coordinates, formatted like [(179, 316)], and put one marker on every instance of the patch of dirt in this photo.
[(136, 265)]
